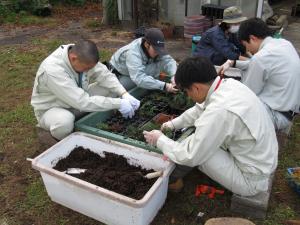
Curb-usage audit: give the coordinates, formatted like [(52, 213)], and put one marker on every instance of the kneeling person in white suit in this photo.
[(71, 81), (234, 142)]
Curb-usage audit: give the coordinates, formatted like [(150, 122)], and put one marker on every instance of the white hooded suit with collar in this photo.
[(234, 142), (56, 91)]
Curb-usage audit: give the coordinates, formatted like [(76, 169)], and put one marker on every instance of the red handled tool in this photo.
[(209, 190)]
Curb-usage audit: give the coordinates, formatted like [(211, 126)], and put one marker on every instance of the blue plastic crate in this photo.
[(291, 181)]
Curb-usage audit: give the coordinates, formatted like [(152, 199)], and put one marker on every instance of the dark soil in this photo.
[(112, 172), (1, 177), (2, 156)]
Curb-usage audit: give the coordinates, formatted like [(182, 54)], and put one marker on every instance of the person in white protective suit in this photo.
[(273, 73), (71, 81), (234, 142)]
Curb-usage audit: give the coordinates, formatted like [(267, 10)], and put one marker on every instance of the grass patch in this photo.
[(5, 170), (36, 198), (21, 64), (92, 23), (63, 221), (289, 156), (279, 215), (21, 114), (5, 134), (47, 45), (13, 121), (35, 20), (24, 18), (17, 70), (105, 55)]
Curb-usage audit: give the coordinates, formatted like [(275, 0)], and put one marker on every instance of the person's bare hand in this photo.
[(225, 67), (152, 136), (171, 88)]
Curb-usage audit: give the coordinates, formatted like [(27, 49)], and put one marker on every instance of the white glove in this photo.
[(167, 125), (133, 101), (225, 67), (126, 109), (152, 136), (171, 88)]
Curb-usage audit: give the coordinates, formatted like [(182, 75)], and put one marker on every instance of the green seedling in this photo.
[(169, 133), (103, 126)]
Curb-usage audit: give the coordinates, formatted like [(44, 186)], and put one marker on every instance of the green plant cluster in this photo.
[(12, 10), (150, 126), (112, 12), (182, 101), (103, 126), (69, 2), (16, 6)]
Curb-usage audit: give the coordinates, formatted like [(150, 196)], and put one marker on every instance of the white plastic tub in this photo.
[(96, 202)]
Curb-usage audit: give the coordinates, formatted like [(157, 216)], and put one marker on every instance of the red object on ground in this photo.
[(209, 190)]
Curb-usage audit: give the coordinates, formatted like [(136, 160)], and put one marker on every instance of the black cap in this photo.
[(156, 38)]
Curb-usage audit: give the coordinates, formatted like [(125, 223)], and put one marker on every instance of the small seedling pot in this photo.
[(162, 118), (164, 77)]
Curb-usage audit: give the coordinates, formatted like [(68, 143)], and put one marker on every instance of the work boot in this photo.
[(176, 186)]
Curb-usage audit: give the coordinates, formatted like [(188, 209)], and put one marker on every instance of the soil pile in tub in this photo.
[(111, 172)]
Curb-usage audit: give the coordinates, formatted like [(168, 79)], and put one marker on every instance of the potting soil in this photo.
[(111, 172)]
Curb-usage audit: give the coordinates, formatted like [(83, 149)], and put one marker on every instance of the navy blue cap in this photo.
[(156, 38)]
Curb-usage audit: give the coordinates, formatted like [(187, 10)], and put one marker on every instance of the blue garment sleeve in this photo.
[(233, 38), (222, 44), (136, 70), (169, 65)]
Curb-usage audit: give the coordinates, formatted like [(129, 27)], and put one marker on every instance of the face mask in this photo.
[(234, 28)]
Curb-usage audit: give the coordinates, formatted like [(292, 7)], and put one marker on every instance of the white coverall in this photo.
[(234, 142), (56, 92), (273, 74)]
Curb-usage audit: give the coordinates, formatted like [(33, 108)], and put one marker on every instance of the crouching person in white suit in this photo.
[(71, 81), (234, 142)]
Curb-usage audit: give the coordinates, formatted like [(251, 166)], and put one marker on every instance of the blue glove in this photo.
[(126, 109), (133, 101)]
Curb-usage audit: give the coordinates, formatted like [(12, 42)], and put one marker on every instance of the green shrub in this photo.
[(112, 12), (93, 23), (4, 13), (69, 2), (12, 10)]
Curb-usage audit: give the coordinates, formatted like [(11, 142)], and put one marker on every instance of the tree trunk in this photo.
[(104, 10)]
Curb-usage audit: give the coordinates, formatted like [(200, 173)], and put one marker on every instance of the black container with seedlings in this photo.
[(151, 105)]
